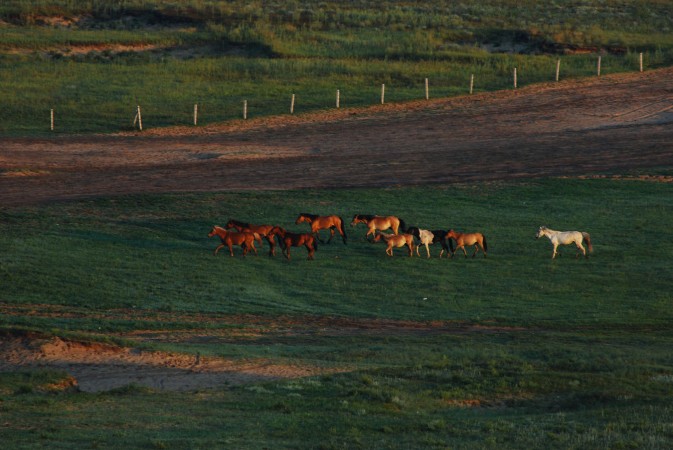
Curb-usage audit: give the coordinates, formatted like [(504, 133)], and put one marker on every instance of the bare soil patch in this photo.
[(96, 367), (611, 124)]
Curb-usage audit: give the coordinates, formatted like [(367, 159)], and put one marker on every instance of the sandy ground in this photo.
[(611, 125)]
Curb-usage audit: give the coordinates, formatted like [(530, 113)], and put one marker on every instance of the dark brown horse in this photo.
[(318, 223), (230, 238), (380, 223), (287, 240), (262, 230)]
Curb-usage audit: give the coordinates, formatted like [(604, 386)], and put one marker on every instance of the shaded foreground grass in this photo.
[(572, 353)]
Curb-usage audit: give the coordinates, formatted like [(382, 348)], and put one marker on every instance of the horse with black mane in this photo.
[(262, 230), (287, 240), (318, 223)]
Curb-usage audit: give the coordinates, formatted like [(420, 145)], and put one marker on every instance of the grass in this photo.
[(574, 353), (219, 54)]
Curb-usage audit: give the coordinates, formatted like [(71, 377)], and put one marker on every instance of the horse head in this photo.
[(540, 232), (304, 217), (277, 231), (214, 231), (451, 234)]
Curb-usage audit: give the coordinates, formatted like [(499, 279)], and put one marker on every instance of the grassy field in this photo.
[(94, 62), (577, 356)]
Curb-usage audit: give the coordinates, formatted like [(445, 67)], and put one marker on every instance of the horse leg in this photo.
[(463, 248), (411, 249), (581, 248), (287, 251), (254, 249), (553, 255), (331, 234), (389, 250), (311, 251), (427, 249), (231, 249)]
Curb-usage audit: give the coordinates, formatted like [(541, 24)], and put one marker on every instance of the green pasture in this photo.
[(575, 353), (167, 56)]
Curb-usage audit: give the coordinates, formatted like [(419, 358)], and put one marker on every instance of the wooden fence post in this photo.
[(598, 68), (383, 94), (640, 58), (140, 119), (427, 90), (558, 68), (52, 119), (292, 105), (196, 113), (471, 83), (337, 98), (245, 109), (515, 83)]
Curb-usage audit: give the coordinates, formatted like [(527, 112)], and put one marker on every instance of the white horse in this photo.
[(426, 237), (566, 237)]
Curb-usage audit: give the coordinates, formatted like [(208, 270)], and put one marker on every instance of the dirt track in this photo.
[(608, 124)]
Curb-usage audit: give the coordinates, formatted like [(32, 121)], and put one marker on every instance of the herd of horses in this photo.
[(237, 233)]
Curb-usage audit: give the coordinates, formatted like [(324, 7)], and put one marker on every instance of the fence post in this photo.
[(51, 115), (140, 119), (471, 83), (196, 113), (558, 68), (292, 105), (515, 78), (427, 90), (640, 58), (245, 109), (598, 68), (337, 98), (383, 94)]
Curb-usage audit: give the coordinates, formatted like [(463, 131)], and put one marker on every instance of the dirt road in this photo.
[(610, 124)]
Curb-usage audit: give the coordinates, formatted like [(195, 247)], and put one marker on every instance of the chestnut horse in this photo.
[(230, 238), (463, 239), (262, 230), (380, 223), (396, 240), (288, 240), (566, 237), (318, 223)]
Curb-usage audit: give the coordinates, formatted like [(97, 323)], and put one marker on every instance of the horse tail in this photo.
[(342, 229), (587, 239), (483, 238), (403, 226)]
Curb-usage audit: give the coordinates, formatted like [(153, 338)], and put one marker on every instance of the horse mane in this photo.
[(239, 223), (403, 226), (415, 231), (366, 217)]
